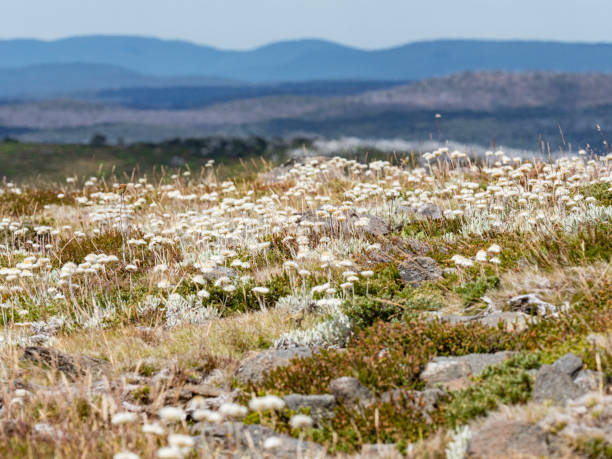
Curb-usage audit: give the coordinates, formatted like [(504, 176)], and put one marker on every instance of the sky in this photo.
[(369, 24)]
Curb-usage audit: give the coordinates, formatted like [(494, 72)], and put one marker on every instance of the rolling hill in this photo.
[(518, 109)]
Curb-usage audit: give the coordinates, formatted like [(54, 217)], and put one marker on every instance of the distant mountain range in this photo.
[(135, 88), (300, 60)]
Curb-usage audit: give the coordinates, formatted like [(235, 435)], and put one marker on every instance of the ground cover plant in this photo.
[(132, 305)]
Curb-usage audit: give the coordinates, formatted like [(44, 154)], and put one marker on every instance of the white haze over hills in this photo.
[(329, 147)]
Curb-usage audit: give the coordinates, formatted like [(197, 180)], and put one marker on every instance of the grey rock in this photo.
[(375, 226), (350, 391), (217, 272), (428, 397), (478, 362), (429, 210), (445, 369), (419, 247), (588, 380), (512, 321), (416, 270), (455, 319), (554, 385), (254, 367), (320, 406), (532, 305), (569, 364), (70, 365), (502, 439), (235, 439)]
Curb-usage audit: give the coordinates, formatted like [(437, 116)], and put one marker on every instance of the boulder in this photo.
[(350, 391), (555, 385), (415, 270), (512, 321), (235, 439), (72, 366), (442, 370), (429, 210), (569, 364), (320, 406), (347, 223), (212, 274), (452, 372), (428, 397), (255, 366), (588, 380)]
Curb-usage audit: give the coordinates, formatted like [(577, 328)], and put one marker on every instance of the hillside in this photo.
[(303, 60), (329, 308), (523, 110)]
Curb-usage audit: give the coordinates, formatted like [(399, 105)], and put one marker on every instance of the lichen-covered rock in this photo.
[(555, 385), (569, 364), (230, 438), (255, 366), (416, 270), (347, 223), (70, 365), (350, 391), (452, 370), (320, 406), (428, 398), (512, 321)]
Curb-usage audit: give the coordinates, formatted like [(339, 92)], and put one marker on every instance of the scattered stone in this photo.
[(512, 321), (501, 439), (553, 384), (254, 367), (589, 380), (588, 417), (532, 305), (72, 366), (569, 364), (428, 397), (416, 270), (212, 274), (419, 247), (455, 319), (429, 210), (350, 391), (236, 437), (453, 372), (320, 406), (442, 370), (351, 222)]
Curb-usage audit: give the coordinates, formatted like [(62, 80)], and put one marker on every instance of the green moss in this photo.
[(597, 448), (142, 394), (364, 312), (472, 291), (600, 191), (507, 383)]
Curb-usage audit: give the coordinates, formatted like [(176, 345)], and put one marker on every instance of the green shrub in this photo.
[(364, 311)]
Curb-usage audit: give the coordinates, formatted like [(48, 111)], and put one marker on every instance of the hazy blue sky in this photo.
[(363, 23)]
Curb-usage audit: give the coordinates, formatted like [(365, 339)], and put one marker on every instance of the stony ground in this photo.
[(445, 307)]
